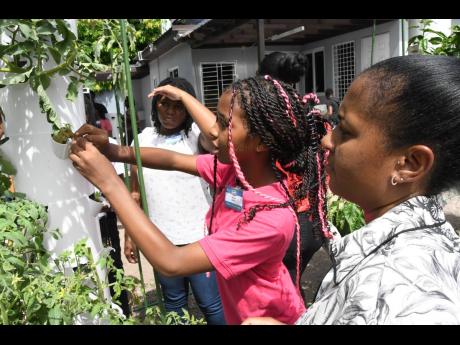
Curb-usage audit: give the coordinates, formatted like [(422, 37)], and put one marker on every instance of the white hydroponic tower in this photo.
[(45, 178)]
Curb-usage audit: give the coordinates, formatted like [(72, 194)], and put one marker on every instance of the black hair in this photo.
[(329, 92), (285, 67), (101, 110), (415, 99), (182, 84), (293, 141)]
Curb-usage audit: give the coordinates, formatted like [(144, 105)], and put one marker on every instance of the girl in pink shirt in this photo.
[(261, 124)]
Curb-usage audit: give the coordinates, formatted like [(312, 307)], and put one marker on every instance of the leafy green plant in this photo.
[(433, 42), (36, 288), (346, 216), (6, 170), (100, 39), (30, 43), (63, 134), (154, 316)]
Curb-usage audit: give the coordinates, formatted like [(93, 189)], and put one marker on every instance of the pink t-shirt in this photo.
[(252, 278), (105, 124)]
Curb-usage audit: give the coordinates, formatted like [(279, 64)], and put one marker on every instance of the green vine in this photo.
[(30, 43)]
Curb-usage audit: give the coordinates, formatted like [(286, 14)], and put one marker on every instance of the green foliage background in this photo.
[(100, 39)]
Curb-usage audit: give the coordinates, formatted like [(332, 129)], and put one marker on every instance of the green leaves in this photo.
[(28, 30), (56, 54), (433, 42), (31, 43), (46, 107), (18, 78), (72, 89), (346, 216), (45, 27)]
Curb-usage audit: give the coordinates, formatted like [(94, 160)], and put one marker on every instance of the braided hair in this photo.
[(292, 132)]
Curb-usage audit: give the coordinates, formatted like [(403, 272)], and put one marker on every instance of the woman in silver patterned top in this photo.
[(396, 148)]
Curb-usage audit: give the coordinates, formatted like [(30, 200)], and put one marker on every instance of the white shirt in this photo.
[(119, 167), (177, 201), (401, 268)]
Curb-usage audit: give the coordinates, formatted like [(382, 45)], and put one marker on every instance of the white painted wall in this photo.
[(393, 28)]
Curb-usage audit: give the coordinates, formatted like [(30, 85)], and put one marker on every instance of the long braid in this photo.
[(279, 177), (287, 126)]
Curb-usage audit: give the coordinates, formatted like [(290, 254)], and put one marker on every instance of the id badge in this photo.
[(234, 198)]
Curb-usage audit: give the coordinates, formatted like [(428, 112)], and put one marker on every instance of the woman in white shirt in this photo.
[(177, 201)]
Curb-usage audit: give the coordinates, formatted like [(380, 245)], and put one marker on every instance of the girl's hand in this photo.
[(169, 91), (94, 166), (97, 136), (261, 321), (130, 250)]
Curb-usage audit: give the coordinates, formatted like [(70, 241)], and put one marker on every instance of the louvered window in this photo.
[(215, 78)]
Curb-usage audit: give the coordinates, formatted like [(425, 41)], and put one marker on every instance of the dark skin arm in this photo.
[(151, 157), (165, 257), (159, 251)]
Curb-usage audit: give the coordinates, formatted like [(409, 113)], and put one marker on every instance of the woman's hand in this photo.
[(97, 136), (261, 321), (169, 91), (130, 250), (94, 166)]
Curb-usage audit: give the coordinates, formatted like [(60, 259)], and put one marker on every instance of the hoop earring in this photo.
[(393, 181)]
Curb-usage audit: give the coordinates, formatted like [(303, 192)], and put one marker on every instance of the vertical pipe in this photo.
[(136, 145), (373, 42), (260, 40), (403, 47)]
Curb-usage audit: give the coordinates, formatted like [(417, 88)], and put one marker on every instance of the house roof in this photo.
[(220, 33)]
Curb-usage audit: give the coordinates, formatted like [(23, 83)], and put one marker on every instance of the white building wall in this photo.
[(393, 28)]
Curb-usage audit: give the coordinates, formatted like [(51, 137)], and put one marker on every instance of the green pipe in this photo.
[(403, 48), (122, 142), (136, 147), (128, 185), (372, 46)]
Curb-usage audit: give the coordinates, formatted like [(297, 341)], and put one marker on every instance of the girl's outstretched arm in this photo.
[(165, 257), (153, 158)]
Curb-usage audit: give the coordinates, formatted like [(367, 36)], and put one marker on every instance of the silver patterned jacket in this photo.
[(401, 268)]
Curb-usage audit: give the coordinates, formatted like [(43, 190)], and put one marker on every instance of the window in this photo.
[(314, 77), (174, 72), (215, 78), (344, 67)]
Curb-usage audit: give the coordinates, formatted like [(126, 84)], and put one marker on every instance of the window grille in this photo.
[(215, 78), (344, 67)]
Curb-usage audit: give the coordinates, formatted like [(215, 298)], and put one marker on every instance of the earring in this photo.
[(393, 181)]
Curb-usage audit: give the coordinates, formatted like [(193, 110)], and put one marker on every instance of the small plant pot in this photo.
[(94, 207), (61, 150)]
